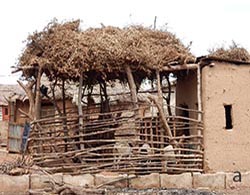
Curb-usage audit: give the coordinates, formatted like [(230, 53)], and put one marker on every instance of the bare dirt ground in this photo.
[(7, 157)]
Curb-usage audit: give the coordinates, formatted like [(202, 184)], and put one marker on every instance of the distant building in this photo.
[(5, 92)]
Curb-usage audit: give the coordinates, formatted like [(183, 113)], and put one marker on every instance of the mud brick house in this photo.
[(5, 92), (226, 107)]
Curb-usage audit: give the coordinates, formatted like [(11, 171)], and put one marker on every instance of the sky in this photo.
[(206, 23)]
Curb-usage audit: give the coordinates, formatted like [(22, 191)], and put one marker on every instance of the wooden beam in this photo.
[(179, 67), (173, 68)]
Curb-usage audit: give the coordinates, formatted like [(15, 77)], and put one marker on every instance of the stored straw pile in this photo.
[(63, 49), (234, 52)]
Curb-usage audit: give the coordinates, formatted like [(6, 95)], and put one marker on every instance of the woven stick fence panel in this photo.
[(118, 141)]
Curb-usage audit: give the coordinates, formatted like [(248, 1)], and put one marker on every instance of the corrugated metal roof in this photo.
[(10, 91)]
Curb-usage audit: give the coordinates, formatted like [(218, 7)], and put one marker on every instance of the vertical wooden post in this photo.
[(64, 114), (38, 95), (12, 111), (80, 113), (174, 127), (160, 101), (199, 117), (63, 97), (132, 86), (168, 100), (37, 107), (156, 120), (199, 93), (53, 87), (151, 133), (159, 90)]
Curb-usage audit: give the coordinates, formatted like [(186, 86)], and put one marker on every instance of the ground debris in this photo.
[(159, 192), (17, 166), (63, 190)]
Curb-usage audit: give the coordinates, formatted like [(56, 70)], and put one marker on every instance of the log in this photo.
[(159, 90), (162, 116), (199, 93), (65, 129), (168, 99), (132, 86), (29, 92), (173, 68), (25, 113), (56, 107), (37, 108), (199, 118), (80, 108)]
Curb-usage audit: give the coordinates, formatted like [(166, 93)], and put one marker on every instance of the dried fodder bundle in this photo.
[(53, 48), (63, 49), (233, 52)]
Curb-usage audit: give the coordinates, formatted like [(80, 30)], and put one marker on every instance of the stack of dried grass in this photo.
[(234, 52), (62, 49)]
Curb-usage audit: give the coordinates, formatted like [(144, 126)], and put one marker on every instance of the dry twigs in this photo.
[(62, 49), (234, 52)]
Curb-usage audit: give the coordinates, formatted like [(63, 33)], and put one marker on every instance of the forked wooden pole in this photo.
[(132, 86)]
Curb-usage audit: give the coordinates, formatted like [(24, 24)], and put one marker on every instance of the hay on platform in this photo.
[(233, 52), (65, 50)]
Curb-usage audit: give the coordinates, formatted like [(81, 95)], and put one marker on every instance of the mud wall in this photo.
[(226, 149)]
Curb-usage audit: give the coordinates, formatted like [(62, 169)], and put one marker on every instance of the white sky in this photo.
[(207, 23)]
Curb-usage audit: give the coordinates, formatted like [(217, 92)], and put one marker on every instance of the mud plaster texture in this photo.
[(226, 84)]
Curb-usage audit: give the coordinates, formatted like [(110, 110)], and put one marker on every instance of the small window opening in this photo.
[(228, 115)]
